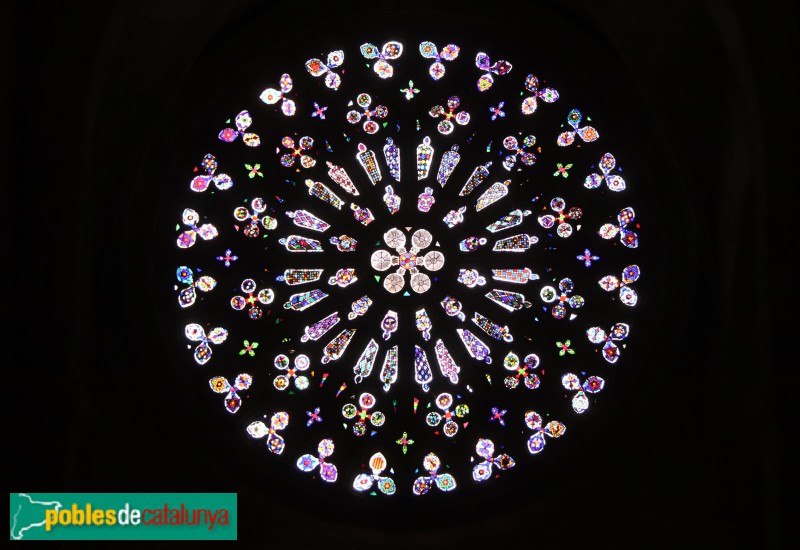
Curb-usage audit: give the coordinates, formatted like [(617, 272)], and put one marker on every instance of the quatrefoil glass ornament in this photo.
[(293, 373), (407, 261), (447, 418)]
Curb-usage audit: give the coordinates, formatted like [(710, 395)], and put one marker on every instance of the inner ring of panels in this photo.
[(405, 267)]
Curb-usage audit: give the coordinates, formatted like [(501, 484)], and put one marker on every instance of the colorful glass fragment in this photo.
[(362, 215), (424, 158), (294, 277), (422, 369), (516, 243), (318, 329), (366, 158), (470, 278), (592, 385), (512, 301), (430, 51), (477, 177), (616, 333), (196, 333), (344, 243), (363, 367), (627, 295), (514, 275), (264, 296), (298, 243), (321, 191), (339, 175), (364, 482), (271, 96), (259, 206), (275, 442), (537, 441), (548, 95), (447, 365), (359, 307), (585, 133), (301, 364), (423, 323), (471, 243), (444, 401), (389, 52), (338, 345), (410, 91), (188, 295), (304, 218), (220, 384), (388, 373), (366, 401), (476, 348), (625, 218), (370, 126), (425, 200), (512, 219), (309, 462), (243, 121), (614, 182), (423, 484), (223, 182), (297, 152), (455, 217), (491, 328), (483, 470), (496, 192), (446, 126), (562, 298), (559, 205), (530, 379), (304, 300), (391, 200), (344, 277), (391, 153), (389, 324), (483, 63), (452, 307), (206, 231), (447, 165), (316, 67), (519, 152)]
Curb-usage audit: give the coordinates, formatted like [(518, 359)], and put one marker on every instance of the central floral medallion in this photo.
[(407, 260)]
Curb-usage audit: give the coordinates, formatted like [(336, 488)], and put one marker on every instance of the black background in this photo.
[(692, 449)]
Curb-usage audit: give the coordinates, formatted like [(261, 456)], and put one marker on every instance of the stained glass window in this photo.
[(421, 256)]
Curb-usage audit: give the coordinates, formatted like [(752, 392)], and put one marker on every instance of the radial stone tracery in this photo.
[(394, 262)]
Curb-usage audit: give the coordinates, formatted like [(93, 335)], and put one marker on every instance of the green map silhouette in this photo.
[(26, 513)]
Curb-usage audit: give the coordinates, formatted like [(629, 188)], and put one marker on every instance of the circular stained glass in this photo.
[(406, 267)]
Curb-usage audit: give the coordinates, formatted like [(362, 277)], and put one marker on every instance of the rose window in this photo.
[(424, 256)]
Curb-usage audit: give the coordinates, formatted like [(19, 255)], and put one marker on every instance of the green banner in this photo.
[(122, 516)]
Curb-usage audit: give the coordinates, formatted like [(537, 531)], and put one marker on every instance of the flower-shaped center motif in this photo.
[(407, 261)]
